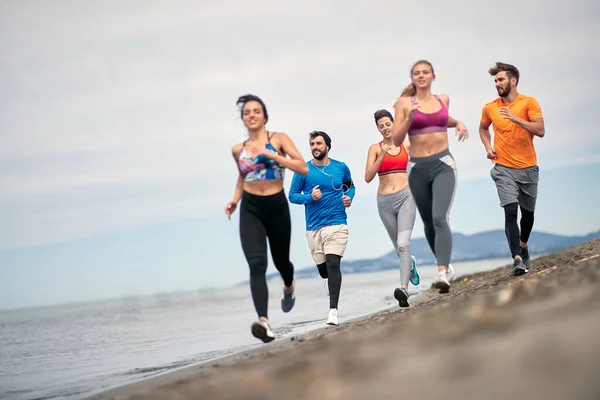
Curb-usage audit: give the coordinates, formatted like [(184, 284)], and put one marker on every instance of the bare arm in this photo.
[(484, 134), (374, 160), (239, 185), (535, 126), (401, 122), (295, 162)]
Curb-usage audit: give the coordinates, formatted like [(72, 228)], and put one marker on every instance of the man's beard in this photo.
[(504, 92), (320, 155)]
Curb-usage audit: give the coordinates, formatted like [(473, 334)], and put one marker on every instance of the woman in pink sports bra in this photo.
[(261, 161), (395, 204), (424, 117)]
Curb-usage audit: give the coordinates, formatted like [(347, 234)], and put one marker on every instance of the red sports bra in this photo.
[(393, 164)]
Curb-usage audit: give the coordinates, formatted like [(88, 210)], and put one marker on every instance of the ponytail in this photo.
[(409, 91)]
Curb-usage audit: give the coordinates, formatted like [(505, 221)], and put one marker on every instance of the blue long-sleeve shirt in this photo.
[(334, 181)]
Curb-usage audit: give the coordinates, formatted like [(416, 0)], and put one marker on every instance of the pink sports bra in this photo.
[(429, 123)]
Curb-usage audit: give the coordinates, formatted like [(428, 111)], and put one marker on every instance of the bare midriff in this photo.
[(427, 144), (264, 188), (392, 183)]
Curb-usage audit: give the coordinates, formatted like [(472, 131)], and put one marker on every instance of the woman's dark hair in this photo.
[(242, 100), (382, 114)]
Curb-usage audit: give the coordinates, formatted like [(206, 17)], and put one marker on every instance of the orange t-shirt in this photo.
[(513, 144)]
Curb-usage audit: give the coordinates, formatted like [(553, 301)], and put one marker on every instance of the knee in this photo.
[(258, 265), (333, 262), (322, 268), (403, 247), (510, 212), (526, 213), (440, 222)]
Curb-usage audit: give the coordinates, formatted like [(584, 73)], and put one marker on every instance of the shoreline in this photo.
[(481, 304)]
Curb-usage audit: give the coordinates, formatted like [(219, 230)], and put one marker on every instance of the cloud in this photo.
[(119, 114)]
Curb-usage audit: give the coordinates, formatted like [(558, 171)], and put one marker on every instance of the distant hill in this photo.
[(478, 246)]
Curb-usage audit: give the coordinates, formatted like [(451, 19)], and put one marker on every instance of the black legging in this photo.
[(263, 217), (330, 270), (512, 229)]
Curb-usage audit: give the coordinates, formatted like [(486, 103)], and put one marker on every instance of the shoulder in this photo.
[(445, 98), (375, 147), (401, 102), (528, 99), (236, 149), (280, 136), (338, 163), (491, 104)]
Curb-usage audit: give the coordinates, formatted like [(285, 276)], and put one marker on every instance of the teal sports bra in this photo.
[(260, 168)]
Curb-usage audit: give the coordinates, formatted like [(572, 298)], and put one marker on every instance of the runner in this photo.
[(395, 204), (264, 213), (516, 120), (432, 177), (326, 192)]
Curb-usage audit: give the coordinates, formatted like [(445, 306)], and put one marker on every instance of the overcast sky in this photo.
[(117, 119)]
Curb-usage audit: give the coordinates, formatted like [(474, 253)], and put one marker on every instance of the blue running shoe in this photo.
[(414, 274)]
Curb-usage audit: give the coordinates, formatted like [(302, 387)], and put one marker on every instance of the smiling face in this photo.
[(384, 125), (318, 148), (422, 75), (253, 115)]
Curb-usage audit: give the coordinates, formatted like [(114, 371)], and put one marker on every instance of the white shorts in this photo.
[(327, 240)]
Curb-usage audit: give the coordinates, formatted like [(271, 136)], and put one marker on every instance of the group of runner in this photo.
[(416, 172)]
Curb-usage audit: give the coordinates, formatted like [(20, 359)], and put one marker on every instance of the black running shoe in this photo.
[(402, 296), (518, 267)]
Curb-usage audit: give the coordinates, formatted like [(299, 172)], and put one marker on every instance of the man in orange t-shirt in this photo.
[(516, 119)]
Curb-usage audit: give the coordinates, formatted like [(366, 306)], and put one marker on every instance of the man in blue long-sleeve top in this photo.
[(325, 192)]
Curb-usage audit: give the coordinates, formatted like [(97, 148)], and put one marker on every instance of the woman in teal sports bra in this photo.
[(264, 213)]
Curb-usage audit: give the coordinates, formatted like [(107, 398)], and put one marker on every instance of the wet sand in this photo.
[(493, 336)]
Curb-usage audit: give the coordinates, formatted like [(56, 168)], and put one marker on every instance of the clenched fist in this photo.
[(316, 193)]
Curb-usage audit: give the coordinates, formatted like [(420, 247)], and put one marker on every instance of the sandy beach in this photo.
[(493, 336)]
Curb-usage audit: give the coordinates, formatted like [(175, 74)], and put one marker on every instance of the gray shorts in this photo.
[(516, 185)]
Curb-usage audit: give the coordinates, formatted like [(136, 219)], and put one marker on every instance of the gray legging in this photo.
[(397, 212), (432, 182)]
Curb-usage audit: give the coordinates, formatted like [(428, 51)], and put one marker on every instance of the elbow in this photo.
[(368, 178), (542, 132), (303, 169)]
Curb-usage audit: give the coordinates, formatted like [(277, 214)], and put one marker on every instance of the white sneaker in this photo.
[(450, 274), (333, 318), (441, 282)]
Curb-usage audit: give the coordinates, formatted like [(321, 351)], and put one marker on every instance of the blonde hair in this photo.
[(409, 91)]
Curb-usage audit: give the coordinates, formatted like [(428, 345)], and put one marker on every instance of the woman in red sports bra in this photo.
[(395, 203)]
